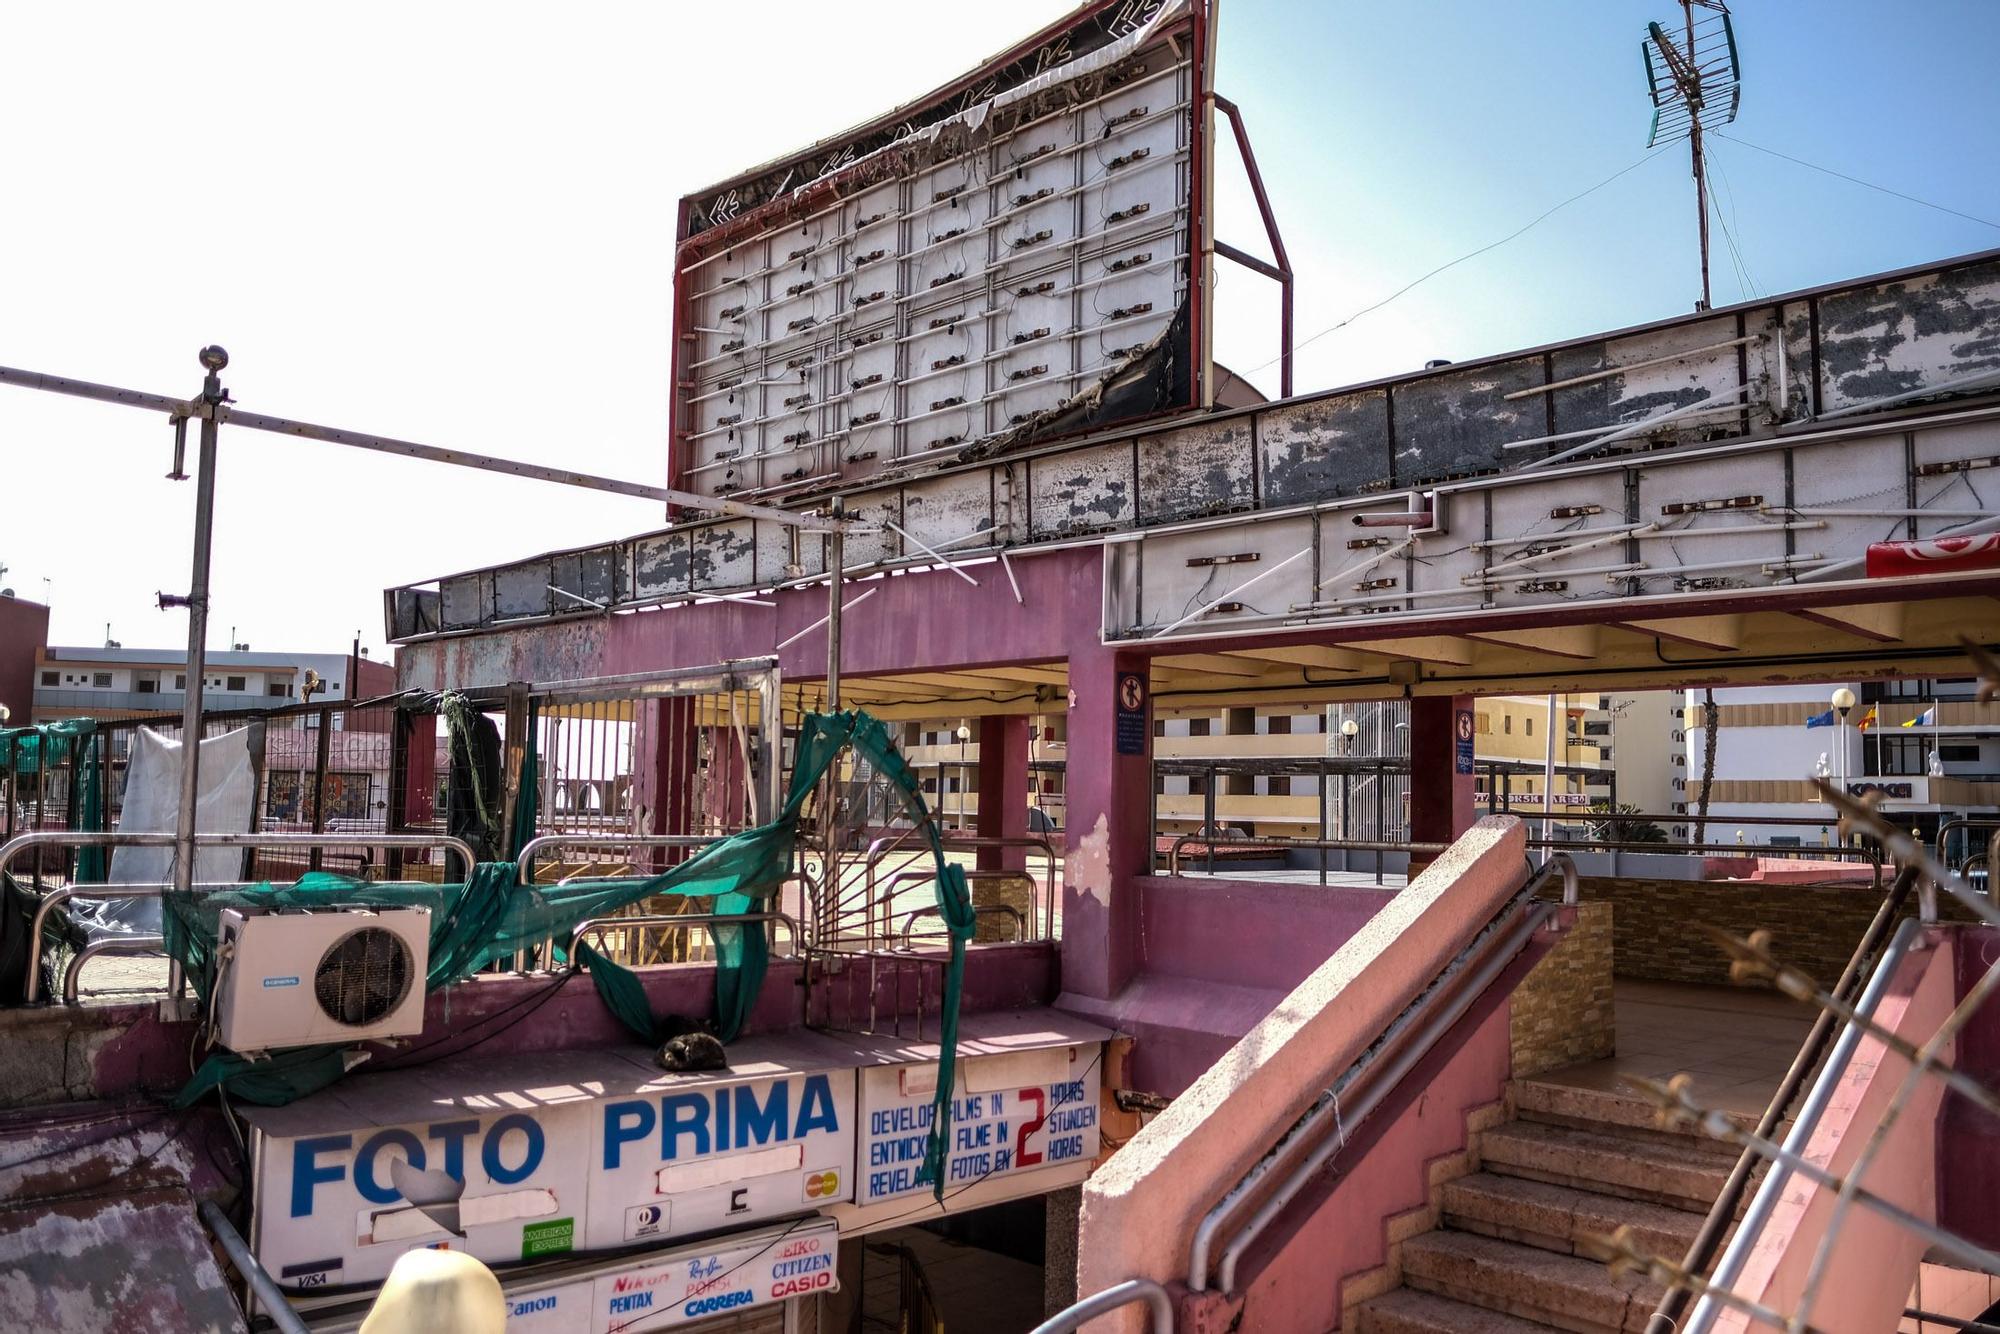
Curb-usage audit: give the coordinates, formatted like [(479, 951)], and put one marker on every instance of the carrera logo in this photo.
[(822, 1185)]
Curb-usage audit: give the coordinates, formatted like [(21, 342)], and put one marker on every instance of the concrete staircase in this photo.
[(1511, 1252)]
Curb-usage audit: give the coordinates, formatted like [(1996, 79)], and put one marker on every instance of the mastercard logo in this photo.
[(822, 1185)]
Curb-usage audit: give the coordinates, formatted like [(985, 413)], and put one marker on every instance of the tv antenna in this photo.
[(1695, 82)]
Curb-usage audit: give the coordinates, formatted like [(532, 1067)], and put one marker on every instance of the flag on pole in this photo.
[(1867, 719), (1821, 719), (1928, 718)]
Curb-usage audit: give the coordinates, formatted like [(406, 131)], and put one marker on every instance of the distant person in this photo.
[(438, 1292)]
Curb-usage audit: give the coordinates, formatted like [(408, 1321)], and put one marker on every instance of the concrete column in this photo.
[(663, 778), (1442, 800), (1003, 788), (1107, 835), (726, 791)]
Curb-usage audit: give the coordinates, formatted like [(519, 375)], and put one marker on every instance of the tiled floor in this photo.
[(1737, 1042), (976, 1291)]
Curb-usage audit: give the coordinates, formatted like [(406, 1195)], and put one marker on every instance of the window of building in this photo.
[(1198, 726), (102, 680), (1959, 754), (1507, 724), (1280, 724), (1485, 725), (180, 681), (1528, 725), (279, 689), (51, 678), (147, 685), (236, 683)]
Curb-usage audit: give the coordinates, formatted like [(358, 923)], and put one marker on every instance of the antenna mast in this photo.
[(1694, 82)]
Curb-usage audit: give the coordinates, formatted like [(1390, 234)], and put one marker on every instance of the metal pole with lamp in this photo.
[(1842, 701)]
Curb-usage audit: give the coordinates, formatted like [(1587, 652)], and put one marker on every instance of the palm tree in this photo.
[(1707, 762)]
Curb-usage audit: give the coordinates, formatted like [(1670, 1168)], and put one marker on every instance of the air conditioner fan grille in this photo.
[(363, 976)]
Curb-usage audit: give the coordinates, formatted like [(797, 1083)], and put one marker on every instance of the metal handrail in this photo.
[(135, 944), (984, 910), (591, 924), (1118, 1294), (887, 843), (1871, 855), (32, 987), (269, 1295), (1375, 1074), (525, 859), (1280, 841), (1722, 1214), (98, 838), (1964, 822), (1796, 1138)]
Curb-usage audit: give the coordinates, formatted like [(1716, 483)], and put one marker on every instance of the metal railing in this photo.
[(1158, 1305), (50, 899), (1301, 1153), (880, 899), (983, 910), (1965, 824), (270, 1297), (1722, 1214), (1750, 1230), (671, 921), (1871, 855), (531, 850), (1282, 843), (126, 945)]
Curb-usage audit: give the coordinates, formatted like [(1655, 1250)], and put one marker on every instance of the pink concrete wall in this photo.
[(1326, 1238), (1969, 1183), (1140, 1210), (1874, 1261), (1214, 957)]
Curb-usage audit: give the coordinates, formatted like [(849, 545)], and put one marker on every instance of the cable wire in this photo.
[(1814, 166), (1491, 245)]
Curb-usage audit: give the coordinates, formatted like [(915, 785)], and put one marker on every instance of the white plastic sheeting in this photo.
[(226, 801)]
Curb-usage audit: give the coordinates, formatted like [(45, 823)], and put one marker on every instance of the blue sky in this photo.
[(1397, 136), (453, 222)]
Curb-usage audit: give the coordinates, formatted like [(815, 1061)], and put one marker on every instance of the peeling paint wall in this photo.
[(1757, 366)]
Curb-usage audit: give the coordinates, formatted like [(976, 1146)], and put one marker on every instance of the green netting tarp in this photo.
[(25, 750), (493, 916)]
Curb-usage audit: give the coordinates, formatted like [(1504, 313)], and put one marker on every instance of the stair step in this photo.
[(1608, 1110), (1561, 1218), (1683, 1177), (1407, 1311), (1564, 1291)]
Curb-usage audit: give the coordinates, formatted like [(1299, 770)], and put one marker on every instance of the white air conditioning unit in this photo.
[(294, 979)]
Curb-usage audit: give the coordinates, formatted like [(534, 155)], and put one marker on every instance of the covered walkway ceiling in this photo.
[(1912, 629)]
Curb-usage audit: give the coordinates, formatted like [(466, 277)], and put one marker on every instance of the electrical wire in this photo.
[(1491, 245), (1814, 166)]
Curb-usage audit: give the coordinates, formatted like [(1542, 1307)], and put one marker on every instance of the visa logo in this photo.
[(720, 1120), (281, 981)]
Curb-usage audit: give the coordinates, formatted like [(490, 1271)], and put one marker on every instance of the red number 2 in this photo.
[(1022, 1157)]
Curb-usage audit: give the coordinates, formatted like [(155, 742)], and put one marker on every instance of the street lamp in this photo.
[(1349, 729), (1842, 701)]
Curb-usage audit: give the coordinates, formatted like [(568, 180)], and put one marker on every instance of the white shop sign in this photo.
[(728, 1275), (689, 1158), (1012, 1113), (328, 1213)]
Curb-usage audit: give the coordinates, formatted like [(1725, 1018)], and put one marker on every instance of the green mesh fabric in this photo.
[(494, 917), (26, 749)]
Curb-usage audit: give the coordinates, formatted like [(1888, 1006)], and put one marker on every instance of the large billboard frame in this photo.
[(700, 235)]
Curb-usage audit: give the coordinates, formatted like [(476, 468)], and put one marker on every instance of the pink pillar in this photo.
[(1442, 799), (725, 799), (1107, 824), (1003, 789), (663, 771)]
